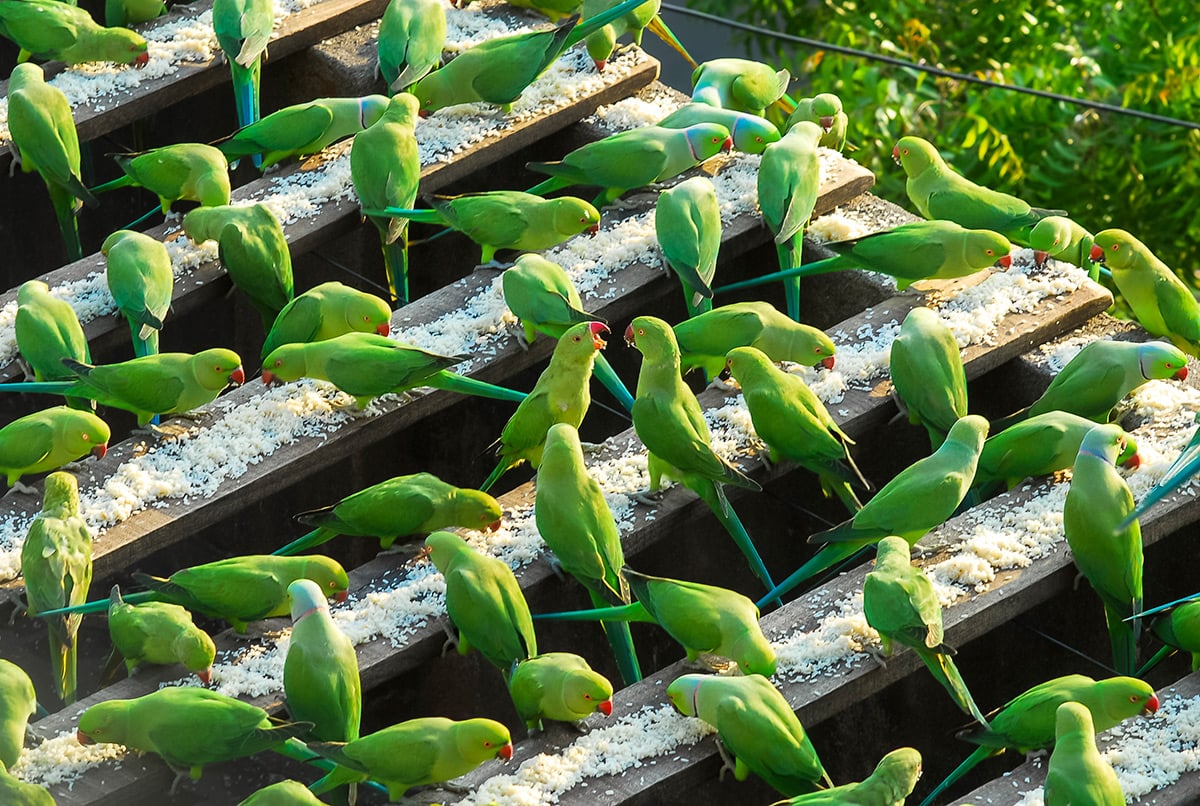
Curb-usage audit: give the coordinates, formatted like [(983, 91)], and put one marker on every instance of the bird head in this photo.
[(596, 329), (142, 60)]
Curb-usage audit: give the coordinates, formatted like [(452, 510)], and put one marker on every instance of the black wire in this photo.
[(928, 68), (1026, 625)]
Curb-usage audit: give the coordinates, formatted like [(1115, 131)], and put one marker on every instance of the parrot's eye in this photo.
[(1133, 698), (641, 331), (990, 253), (576, 339), (587, 696), (904, 151), (86, 438), (332, 585), (366, 319), (278, 363), (758, 139), (1116, 246), (487, 744), (583, 219)]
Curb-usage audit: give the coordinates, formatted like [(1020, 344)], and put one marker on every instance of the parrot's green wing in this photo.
[(249, 591), (139, 385), (17, 703), (763, 733), (26, 443)]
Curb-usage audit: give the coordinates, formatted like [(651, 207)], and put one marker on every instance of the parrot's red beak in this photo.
[(100, 450), (1151, 705), (597, 328), (896, 153), (424, 113), (83, 738), (1039, 257), (727, 145), (384, 328), (827, 122), (340, 596), (237, 377), (828, 362), (506, 751), (605, 707), (1004, 261), (593, 230), (267, 377), (205, 675), (1181, 375), (1096, 255), (1133, 462), (601, 64), (493, 526), (629, 335), (141, 61)]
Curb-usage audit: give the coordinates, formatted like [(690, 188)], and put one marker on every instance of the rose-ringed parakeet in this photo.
[(325, 311), (706, 339), (1110, 557), (927, 374), (756, 726), (18, 703), (288, 792), (900, 603), (48, 29), (795, 425), (633, 159), (540, 294), (505, 219), (668, 420), (167, 383), (687, 223), (789, 179), (412, 34), (243, 28), (917, 250), (484, 601), (124, 13), (385, 169), (320, 672), (49, 439), (400, 506), (558, 686), (15, 792), (889, 784), (48, 330), (602, 43), (188, 727), (1027, 722), (562, 394), (158, 632), (1181, 471), (1162, 303), (1060, 238), (44, 139), (1177, 625), (303, 129), (420, 751), (192, 171), (1077, 773), (938, 191), (825, 110), (367, 365), (919, 498), (56, 562), (556, 10), (750, 133), (141, 280), (740, 84)]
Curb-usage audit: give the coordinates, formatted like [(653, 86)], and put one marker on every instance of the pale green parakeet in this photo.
[(158, 632), (928, 375), (687, 223), (303, 129), (740, 84), (750, 133), (18, 703), (125, 13), (243, 29), (192, 171), (892, 781), (141, 280), (320, 671), (556, 10), (789, 179), (558, 686), (15, 792), (1060, 238), (326, 311), (48, 330), (412, 34), (1077, 775), (288, 792), (825, 110), (48, 29), (47, 440)]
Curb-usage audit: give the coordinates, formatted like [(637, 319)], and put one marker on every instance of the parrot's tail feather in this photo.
[(827, 557), (141, 218), (314, 538), (68, 224), (453, 382), (1004, 422), (946, 672), (825, 266), (1124, 639), (499, 470), (979, 754), (612, 382), (630, 612), (395, 264), (40, 387), (659, 28), (63, 659), (585, 28), (101, 605), (1158, 609), (245, 96), (737, 530), (412, 214), (547, 185), (113, 184), (1162, 654), (843, 491), (621, 640)]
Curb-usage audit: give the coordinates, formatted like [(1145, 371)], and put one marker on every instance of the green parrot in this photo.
[(499, 69), (750, 133), (1077, 773), (1160, 301), (428, 750), (243, 28), (18, 703), (540, 294), (485, 602), (795, 425), (49, 439), (412, 34), (141, 281), (124, 13), (559, 686), (158, 632), (188, 727), (1178, 626), (56, 561), (938, 191), (756, 726), (706, 339), (915, 251), (740, 84), (602, 43), (668, 420), (385, 169), (48, 330), (901, 605), (576, 524), (1109, 557), (367, 365), (556, 10), (1026, 722), (287, 792), (253, 250), (1181, 471), (921, 497), (1038, 446), (561, 395), (825, 110), (633, 159), (44, 139), (167, 383), (927, 374), (48, 29), (505, 219), (1100, 375), (893, 780), (395, 508), (789, 179), (325, 311), (320, 672), (1061, 238), (303, 129), (237, 589), (687, 223), (15, 792), (191, 171)]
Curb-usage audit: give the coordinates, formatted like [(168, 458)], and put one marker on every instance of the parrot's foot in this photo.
[(457, 789), (722, 385), (591, 447), (19, 609), (1032, 754), (400, 549), (179, 776), (72, 467), (878, 657), (765, 458), (580, 727), (23, 489), (1075, 583), (647, 497), (522, 342), (727, 763), (493, 264), (26, 370), (451, 638), (556, 567)]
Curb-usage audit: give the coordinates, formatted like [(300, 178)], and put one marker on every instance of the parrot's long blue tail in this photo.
[(101, 605), (40, 387), (659, 28), (1153, 610), (453, 382), (314, 538), (826, 557), (979, 754), (829, 264), (789, 260), (585, 28), (612, 382), (630, 612), (411, 213), (737, 530)]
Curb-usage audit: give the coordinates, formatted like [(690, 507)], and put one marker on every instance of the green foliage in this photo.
[(1105, 169)]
